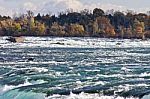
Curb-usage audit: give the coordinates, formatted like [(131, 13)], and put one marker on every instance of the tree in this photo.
[(96, 28), (30, 13), (139, 29), (85, 12), (98, 12), (119, 19), (40, 29), (75, 30), (84, 23), (57, 30), (106, 29), (17, 26), (38, 17), (31, 22)]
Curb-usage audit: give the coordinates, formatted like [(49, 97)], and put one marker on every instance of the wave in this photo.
[(7, 88), (16, 94), (10, 87), (31, 62)]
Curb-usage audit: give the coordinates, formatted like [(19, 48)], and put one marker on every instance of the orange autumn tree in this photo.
[(105, 27)]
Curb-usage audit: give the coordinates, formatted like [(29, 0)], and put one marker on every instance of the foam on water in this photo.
[(146, 97), (75, 43), (40, 69), (144, 75), (31, 62), (86, 96)]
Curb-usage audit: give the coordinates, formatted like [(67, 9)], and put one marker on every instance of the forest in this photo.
[(85, 23)]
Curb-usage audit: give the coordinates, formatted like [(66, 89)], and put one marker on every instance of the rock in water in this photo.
[(118, 43), (16, 39), (30, 59)]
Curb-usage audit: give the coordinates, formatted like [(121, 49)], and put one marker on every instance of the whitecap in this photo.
[(32, 62), (144, 74), (40, 81), (125, 69), (38, 69)]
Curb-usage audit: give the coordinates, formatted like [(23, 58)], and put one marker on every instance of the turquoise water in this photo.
[(80, 68)]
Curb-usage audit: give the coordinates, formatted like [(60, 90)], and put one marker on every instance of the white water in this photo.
[(75, 43), (86, 96)]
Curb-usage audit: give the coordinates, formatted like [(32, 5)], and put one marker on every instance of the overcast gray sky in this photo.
[(9, 7)]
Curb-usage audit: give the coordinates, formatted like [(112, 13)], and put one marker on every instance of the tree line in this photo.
[(78, 24)]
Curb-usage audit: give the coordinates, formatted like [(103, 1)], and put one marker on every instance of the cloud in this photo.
[(29, 6), (105, 7), (55, 6), (6, 12)]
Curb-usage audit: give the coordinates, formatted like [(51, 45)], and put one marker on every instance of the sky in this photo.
[(11, 7)]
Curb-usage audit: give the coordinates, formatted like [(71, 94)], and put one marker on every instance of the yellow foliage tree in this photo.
[(17, 26), (76, 30), (57, 30), (41, 29), (139, 28)]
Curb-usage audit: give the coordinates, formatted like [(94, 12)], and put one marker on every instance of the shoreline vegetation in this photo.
[(109, 24)]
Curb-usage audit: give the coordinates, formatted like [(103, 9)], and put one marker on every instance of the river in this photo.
[(74, 68)]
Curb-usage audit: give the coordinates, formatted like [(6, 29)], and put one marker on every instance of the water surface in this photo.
[(82, 68)]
